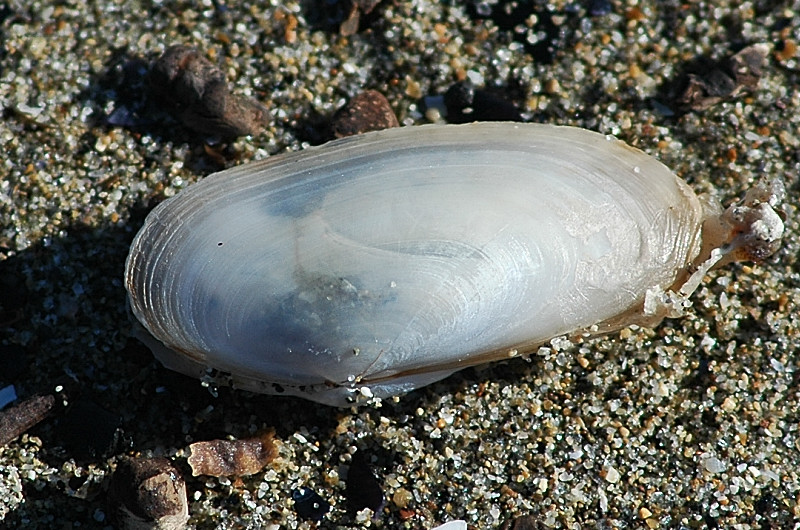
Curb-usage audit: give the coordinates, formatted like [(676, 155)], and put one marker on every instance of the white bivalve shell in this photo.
[(383, 262)]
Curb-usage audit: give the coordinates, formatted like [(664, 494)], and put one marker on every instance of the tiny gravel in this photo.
[(693, 424)]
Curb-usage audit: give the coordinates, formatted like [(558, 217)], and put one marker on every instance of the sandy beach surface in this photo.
[(693, 424)]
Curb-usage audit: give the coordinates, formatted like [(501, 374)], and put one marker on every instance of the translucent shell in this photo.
[(379, 263)]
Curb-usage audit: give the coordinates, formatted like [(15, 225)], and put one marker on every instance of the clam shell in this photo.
[(383, 262)]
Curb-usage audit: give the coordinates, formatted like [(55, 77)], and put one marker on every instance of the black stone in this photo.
[(309, 505), (362, 488)]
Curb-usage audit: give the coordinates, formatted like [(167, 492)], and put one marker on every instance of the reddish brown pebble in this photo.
[(635, 14), (368, 111), (220, 458), (406, 514), (18, 419), (195, 90), (148, 493)]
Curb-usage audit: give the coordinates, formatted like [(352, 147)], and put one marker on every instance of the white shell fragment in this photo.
[(379, 263), (453, 525)]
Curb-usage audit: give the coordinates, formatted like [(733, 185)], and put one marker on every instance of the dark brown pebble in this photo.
[(724, 79), (195, 90), (221, 458), (16, 420), (148, 493), (368, 111)]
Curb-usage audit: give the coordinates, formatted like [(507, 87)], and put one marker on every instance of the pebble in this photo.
[(218, 458), (611, 474), (452, 525), (362, 488), (195, 90), (309, 505), (402, 497), (367, 111), (724, 80), (714, 465), (351, 25), (148, 494), (18, 418)]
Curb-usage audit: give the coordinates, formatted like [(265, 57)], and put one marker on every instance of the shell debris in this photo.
[(224, 458)]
